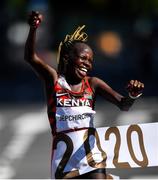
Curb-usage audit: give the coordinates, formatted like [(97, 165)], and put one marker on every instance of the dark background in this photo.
[(128, 31), (124, 37)]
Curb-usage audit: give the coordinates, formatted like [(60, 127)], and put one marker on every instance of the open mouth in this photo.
[(82, 71)]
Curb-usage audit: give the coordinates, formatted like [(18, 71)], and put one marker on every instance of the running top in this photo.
[(68, 110), (72, 153)]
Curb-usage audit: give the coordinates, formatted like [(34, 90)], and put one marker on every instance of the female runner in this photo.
[(71, 95)]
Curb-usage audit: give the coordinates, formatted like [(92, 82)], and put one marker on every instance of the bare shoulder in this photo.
[(94, 82), (97, 83)]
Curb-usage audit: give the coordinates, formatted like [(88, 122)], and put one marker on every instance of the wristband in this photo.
[(134, 97)]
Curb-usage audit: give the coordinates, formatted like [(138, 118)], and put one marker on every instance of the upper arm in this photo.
[(42, 69), (103, 89)]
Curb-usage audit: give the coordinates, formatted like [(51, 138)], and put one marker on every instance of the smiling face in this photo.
[(80, 59)]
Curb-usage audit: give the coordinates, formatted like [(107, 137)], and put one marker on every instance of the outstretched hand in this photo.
[(35, 19), (135, 88)]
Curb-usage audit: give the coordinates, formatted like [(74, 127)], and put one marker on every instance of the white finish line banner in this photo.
[(129, 146)]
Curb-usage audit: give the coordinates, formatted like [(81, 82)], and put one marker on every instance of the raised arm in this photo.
[(43, 70), (134, 89)]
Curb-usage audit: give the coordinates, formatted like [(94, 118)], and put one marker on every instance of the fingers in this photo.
[(35, 19), (136, 83), (135, 87)]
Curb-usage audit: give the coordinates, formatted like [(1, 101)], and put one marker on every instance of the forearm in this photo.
[(125, 103), (29, 53)]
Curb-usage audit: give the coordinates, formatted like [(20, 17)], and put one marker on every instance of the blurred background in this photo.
[(124, 37)]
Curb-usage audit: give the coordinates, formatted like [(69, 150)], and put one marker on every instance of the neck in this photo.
[(72, 80)]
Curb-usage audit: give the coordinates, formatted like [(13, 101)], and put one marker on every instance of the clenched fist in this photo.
[(135, 88), (34, 19)]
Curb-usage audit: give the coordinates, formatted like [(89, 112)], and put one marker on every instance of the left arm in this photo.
[(134, 88)]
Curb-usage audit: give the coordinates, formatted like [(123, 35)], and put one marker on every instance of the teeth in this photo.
[(84, 69)]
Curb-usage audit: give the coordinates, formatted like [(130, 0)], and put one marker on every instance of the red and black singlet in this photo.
[(68, 110)]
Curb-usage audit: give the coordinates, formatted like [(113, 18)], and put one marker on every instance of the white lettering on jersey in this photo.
[(72, 102), (74, 117)]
